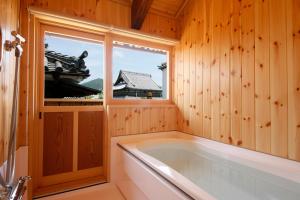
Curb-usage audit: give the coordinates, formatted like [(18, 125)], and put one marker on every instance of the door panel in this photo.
[(90, 142), (70, 149), (58, 143), (68, 143)]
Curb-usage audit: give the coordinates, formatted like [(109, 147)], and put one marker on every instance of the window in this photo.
[(139, 72), (73, 69)]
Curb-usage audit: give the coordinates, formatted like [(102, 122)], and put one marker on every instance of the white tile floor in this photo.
[(106, 191)]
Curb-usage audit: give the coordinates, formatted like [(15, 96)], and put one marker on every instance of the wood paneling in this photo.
[(57, 143), (262, 74), (249, 75), (112, 12), (8, 22), (90, 139), (278, 77), (139, 10), (248, 81), (156, 24), (100, 11), (169, 7), (293, 47), (129, 120)]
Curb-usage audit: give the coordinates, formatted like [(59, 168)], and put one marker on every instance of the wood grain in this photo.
[(8, 22), (168, 7), (278, 78), (139, 10), (250, 62), (129, 120), (293, 47), (215, 69), (57, 143), (262, 76), (225, 127), (90, 139), (248, 81), (235, 74), (112, 12)]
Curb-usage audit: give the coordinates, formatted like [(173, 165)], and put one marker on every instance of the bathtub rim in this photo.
[(277, 166), (193, 194)]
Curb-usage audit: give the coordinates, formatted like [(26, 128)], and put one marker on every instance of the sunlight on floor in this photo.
[(104, 192)]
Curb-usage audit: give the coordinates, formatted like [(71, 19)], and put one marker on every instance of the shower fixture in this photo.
[(13, 189)]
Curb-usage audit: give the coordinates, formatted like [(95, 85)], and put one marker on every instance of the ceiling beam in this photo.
[(139, 10)]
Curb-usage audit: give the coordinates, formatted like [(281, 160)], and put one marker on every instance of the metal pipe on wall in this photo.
[(13, 190)]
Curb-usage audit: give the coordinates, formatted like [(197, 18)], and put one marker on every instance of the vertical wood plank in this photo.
[(215, 68), (146, 126), (199, 67), (57, 143), (192, 74), (293, 47), (186, 81), (180, 77), (278, 77), (225, 75), (262, 76), (90, 139), (248, 87), (258, 73), (9, 17), (206, 70), (75, 141), (235, 74)]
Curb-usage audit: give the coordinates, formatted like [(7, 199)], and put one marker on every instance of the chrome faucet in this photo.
[(18, 190), (15, 192)]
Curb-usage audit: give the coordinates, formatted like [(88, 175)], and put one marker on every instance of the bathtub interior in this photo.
[(217, 174)]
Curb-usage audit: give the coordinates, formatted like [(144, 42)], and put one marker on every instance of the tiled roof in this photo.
[(65, 64), (135, 80)]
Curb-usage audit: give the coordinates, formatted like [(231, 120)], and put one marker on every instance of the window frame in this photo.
[(69, 33), (39, 17), (135, 41)]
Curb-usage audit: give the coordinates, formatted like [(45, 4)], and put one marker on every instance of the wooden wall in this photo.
[(160, 25), (237, 73), (114, 12), (8, 22), (129, 120)]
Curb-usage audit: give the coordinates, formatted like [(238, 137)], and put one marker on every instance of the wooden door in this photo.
[(69, 150), (68, 144)]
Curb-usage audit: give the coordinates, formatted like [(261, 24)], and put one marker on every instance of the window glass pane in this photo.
[(139, 72), (73, 69)]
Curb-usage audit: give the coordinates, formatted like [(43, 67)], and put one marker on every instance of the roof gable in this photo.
[(135, 80)]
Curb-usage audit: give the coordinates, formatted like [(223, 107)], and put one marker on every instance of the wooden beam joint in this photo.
[(139, 10)]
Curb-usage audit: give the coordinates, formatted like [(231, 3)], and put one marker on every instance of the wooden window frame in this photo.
[(68, 33), (129, 40), (38, 107)]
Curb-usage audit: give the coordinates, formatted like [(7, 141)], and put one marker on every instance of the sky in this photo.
[(123, 58), (138, 61)]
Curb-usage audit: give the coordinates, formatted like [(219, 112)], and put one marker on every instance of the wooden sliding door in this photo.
[(68, 144)]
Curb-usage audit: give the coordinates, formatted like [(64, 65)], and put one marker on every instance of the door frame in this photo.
[(36, 18), (45, 185)]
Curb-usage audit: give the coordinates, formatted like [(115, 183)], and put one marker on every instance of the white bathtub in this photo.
[(204, 169)]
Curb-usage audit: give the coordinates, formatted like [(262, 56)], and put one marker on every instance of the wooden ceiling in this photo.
[(168, 7), (140, 8)]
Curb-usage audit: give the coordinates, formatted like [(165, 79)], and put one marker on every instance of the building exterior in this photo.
[(63, 75), (134, 84), (163, 68)]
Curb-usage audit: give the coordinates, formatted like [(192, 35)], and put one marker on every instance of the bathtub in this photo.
[(203, 169)]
